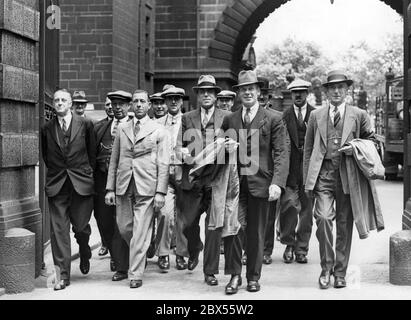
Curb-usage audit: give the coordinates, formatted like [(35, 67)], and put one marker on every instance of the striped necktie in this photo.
[(205, 118), (64, 125), (136, 129), (300, 118), (337, 116), (247, 118)]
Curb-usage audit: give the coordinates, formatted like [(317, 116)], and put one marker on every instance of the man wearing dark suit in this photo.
[(326, 179), (68, 149), (198, 129), (296, 209), (105, 131), (263, 163)]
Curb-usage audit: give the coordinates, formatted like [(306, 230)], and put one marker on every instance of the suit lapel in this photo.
[(128, 131), (54, 132), (322, 123), (102, 130), (349, 121), (196, 119), (76, 124), (218, 118), (291, 124), (145, 130), (257, 122), (238, 121)]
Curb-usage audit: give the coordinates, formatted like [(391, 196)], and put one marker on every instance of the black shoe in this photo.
[(210, 279), (324, 280), (181, 264), (112, 265), (300, 258), (288, 255), (267, 259), (103, 251), (253, 286), (244, 259), (164, 263), (232, 286), (193, 261), (61, 285), (339, 282), (84, 265), (136, 284), (119, 275)]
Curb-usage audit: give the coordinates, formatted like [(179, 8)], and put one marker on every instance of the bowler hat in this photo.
[(79, 96), (226, 94), (337, 76), (299, 85), (121, 95), (173, 91), (247, 77), (206, 82)]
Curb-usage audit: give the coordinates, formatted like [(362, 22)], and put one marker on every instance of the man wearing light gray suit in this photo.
[(138, 180)]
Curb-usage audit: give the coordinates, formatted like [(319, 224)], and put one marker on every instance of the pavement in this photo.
[(367, 278)]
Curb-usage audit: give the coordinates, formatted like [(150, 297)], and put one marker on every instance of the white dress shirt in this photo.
[(341, 108), (66, 118), (125, 119), (253, 111), (303, 111)]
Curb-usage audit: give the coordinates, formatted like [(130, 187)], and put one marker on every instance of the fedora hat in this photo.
[(121, 95), (247, 77), (337, 76), (299, 85), (79, 96), (206, 82)]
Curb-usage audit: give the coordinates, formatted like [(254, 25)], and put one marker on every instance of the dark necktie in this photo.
[(337, 116), (300, 118), (247, 118), (64, 125), (205, 118), (136, 129)]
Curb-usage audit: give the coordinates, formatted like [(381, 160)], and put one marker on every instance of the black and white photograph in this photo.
[(205, 157)]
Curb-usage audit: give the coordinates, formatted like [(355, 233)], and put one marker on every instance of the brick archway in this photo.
[(240, 20)]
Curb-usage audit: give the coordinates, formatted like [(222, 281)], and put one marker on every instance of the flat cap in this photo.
[(226, 94), (157, 96), (298, 85), (174, 91), (120, 94)]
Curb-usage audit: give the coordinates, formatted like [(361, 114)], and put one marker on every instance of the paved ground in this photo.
[(368, 276)]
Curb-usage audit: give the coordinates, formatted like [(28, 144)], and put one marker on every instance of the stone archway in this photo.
[(240, 20)]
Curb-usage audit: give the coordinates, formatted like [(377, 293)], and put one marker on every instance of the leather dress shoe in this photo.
[(339, 282), (253, 286), (112, 265), (181, 264), (232, 286), (103, 251), (210, 279), (267, 259), (300, 258), (136, 284), (119, 275), (84, 265), (193, 261), (288, 255), (244, 259), (324, 280), (61, 285), (163, 263)]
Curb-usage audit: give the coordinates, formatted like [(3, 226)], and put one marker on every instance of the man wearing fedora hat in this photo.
[(326, 176), (225, 100), (266, 93), (296, 208), (79, 103), (199, 128), (173, 223), (263, 163), (105, 132)]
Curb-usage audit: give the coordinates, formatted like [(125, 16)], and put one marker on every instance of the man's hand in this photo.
[(159, 201), (231, 145), (274, 192), (110, 198), (347, 150)]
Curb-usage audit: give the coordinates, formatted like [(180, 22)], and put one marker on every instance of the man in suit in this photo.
[(104, 249), (105, 131), (263, 161), (68, 149), (329, 129), (225, 100), (173, 222), (296, 209), (137, 181), (79, 103), (199, 128), (158, 106), (266, 93)]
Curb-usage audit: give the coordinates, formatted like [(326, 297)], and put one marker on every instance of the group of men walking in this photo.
[(238, 168)]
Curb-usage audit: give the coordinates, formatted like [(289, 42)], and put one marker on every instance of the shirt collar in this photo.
[(253, 109), (303, 108), (210, 111), (341, 108), (123, 120), (67, 118), (142, 120)]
